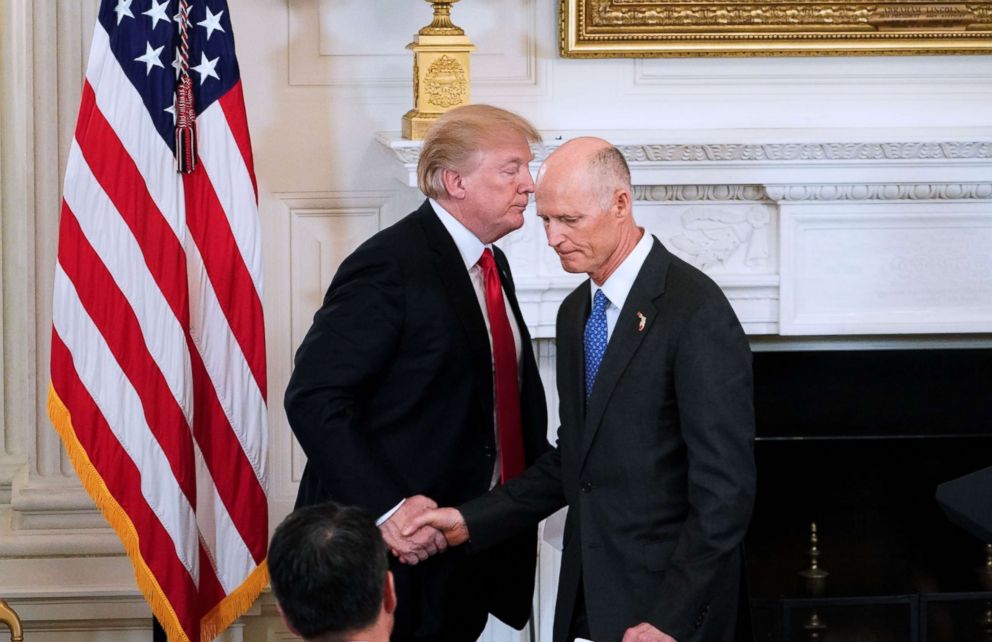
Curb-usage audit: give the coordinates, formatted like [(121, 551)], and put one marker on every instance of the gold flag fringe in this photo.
[(222, 615), (115, 515), (235, 604)]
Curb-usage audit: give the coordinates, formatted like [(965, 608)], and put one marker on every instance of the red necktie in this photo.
[(511, 443)]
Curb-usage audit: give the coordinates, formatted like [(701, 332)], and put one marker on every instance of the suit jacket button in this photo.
[(586, 487), (489, 452)]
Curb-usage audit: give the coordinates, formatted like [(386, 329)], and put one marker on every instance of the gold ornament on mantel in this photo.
[(440, 70)]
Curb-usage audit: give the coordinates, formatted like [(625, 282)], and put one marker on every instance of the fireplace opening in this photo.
[(856, 442)]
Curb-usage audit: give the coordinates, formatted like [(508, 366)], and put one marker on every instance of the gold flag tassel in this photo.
[(185, 110)]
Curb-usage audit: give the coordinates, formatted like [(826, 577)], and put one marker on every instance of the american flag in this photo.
[(158, 355)]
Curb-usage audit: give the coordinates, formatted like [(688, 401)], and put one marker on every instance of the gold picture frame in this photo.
[(673, 28)]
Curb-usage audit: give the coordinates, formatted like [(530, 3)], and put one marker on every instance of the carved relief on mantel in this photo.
[(712, 236), (734, 236)]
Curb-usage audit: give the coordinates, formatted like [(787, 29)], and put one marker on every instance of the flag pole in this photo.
[(158, 633)]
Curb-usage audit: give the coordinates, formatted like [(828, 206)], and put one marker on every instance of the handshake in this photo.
[(419, 529)]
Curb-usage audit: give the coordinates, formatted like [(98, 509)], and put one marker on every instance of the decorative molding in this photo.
[(407, 154), (58, 542), (881, 192), (806, 152), (318, 230), (828, 152), (721, 193), (673, 28), (841, 192), (42, 504), (323, 231), (41, 89), (506, 63), (8, 459), (53, 516), (87, 612), (16, 158), (99, 612), (657, 13), (775, 157), (761, 152)]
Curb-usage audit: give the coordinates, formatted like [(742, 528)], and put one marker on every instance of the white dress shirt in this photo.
[(470, 248), (617, 286)]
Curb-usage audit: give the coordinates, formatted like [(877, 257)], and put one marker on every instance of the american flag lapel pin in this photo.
[(641, 320)]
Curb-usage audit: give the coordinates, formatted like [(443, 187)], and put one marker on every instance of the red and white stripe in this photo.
[(158, 345)]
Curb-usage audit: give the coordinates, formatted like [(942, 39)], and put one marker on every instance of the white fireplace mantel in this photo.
[(809, 232)]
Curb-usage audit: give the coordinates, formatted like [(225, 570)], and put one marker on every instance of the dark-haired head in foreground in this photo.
[(328, 569)]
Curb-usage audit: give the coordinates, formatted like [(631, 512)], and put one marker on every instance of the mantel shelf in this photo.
[(771, 156)]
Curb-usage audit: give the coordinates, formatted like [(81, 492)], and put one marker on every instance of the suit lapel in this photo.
[(640, 307), (511, 295), (571, 352), (458, 287)]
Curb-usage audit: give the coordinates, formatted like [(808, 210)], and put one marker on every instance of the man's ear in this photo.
[(286, 621), (621, 202), (454, 183), (389, 594)]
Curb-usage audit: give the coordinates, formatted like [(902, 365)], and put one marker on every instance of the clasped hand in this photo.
[(419, 529)]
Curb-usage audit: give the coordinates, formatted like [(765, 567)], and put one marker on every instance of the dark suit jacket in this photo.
[(392, 396), (657, 471)]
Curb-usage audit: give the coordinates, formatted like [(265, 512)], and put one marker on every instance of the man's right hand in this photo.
[(422, 542), (446, 520)]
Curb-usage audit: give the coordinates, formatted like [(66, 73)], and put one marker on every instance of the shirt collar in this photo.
[(469, 245), (617, 286)]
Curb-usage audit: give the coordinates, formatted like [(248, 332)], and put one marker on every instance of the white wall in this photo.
[(321, 78)]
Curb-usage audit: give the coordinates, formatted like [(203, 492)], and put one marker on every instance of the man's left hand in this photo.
[(644, 632), (418, 546)]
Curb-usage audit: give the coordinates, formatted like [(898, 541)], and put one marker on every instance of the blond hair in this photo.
[(454, 141)]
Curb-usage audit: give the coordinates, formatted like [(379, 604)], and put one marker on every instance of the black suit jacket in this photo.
[(657, 469), (392, 396)]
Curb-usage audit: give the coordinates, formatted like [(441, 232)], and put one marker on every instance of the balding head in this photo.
[(587, 163), (584, 198)]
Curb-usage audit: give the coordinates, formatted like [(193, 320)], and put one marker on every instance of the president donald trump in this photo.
[(654, 455), (417, 378)]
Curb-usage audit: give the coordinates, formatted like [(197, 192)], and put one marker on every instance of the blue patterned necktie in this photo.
[(595, 338)]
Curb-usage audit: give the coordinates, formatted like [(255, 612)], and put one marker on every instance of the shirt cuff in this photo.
[(389, 513)]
